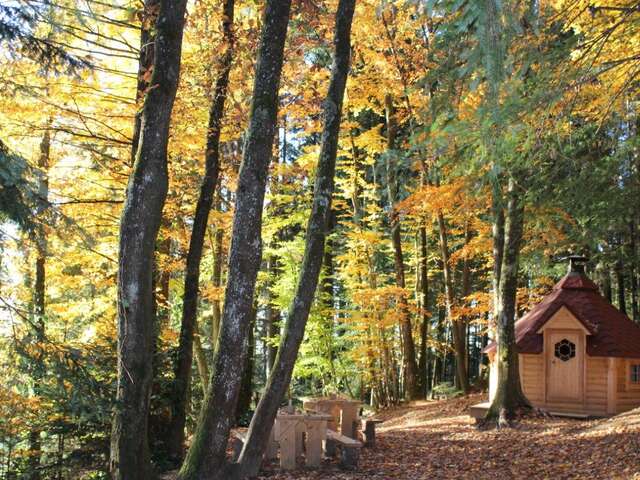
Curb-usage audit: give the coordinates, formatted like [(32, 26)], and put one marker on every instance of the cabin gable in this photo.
[(563, 319)]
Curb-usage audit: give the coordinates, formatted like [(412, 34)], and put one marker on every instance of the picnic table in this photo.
[(329, 424), (344, 413), (290, 432)]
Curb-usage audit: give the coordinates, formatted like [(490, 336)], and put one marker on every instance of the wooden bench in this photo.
[(349, 449), (369, 431)]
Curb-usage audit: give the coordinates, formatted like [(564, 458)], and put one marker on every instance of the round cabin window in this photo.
[(565, 350)]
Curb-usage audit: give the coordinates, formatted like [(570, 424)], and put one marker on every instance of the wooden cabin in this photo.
[(578, 354)]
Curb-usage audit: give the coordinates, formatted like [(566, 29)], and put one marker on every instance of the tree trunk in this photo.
[(424, 325), (145, 67), (139, 226), (456, 330), (201, 362), (410, 367), (216, 278), (509, 396), (607, 291), (272, 318), (182, 373), (633, 271), (207, 454), (298, 314), (244, 398), (39, 296), (622, 305)]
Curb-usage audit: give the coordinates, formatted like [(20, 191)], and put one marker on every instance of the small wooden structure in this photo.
[(578, 354), (295, 433), (343, 412), (298, 432)]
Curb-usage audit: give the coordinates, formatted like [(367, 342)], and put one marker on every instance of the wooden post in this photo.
[(348, 418), (287, 441), (369, 432), (300, 430), (316, 432), (349, 458), (330, 448)]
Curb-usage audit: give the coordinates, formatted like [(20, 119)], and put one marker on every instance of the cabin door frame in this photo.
[(564, 380)]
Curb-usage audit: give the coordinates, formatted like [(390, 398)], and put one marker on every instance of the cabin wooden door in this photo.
[(565, 367)]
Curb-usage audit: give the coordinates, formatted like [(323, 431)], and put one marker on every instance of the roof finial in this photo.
[(576, 263)]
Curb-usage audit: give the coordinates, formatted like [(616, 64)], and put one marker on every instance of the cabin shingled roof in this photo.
[(612, 333)]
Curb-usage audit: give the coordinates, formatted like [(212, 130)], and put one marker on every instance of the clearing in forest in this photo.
[(438, 440)]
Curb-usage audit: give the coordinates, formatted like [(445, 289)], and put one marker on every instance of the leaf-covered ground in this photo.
[(437, 440)]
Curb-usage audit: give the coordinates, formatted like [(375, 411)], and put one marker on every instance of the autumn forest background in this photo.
[(475, 144)]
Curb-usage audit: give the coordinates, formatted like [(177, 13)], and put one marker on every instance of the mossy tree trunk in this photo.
[(139, 225), (509, 397), (206, 457), (317, 227), (182, 368)]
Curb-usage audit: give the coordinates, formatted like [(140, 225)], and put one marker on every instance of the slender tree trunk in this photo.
[(633, 270), (272, 317), (139, 226), (456, 330), (201, 362), (206, 457), (466, 291), (216, 278), (39, 296), (607, 291), (424, 325), (410, 366), (298, 314), (194, 256), (509, 396), (620, 280)]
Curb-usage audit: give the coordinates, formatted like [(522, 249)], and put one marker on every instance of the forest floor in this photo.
[(438, 440)]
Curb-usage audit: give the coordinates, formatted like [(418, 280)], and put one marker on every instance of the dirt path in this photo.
[(437, 440)]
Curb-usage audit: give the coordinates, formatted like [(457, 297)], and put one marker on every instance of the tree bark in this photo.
[(509, 395), (139, 226), (298, 314), (272, 318), (410, 366), (456, 330), (201, 362), (620, 280), (633, 270), (182, 368), (244, 398), (424, 325), (145, 65), (39, 295), (207, 455), (216, 278)]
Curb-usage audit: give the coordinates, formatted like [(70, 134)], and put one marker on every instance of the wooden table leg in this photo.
[(287, 441), (316, 430), (347, 419)]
